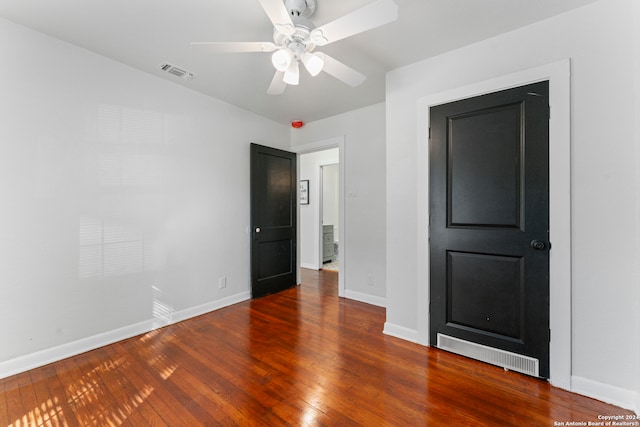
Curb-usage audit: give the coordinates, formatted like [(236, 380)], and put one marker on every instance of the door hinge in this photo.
[(429, 132), (549, 112)]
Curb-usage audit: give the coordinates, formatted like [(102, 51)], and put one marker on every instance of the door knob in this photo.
[(538, 245), (257, 229)]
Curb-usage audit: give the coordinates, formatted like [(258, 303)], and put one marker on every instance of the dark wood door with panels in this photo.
[(273, 220), (489, 228)]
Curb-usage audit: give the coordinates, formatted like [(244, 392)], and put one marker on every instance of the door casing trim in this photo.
[(559, 76)]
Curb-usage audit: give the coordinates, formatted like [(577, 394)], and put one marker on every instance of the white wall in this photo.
[(605, 280), (124, 198), (309, 214), (636, 48), (365, 222)]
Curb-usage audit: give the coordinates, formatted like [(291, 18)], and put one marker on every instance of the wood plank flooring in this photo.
[(301, 357)]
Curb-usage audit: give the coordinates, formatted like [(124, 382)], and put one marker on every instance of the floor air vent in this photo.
[(505, 359)]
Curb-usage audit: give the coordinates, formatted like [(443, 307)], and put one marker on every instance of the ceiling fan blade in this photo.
[(341, 71), (277, 85), (279, 16), (234, 47), (373, 15)]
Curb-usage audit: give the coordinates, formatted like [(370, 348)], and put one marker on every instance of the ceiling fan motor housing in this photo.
[(300, 7), (300, 40)]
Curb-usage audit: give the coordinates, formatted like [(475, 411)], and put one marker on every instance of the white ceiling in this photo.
[(145, 33)]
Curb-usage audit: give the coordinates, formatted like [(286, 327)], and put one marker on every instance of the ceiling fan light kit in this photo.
[(292, 75), (281, 59), (313, 63), (295, 37)]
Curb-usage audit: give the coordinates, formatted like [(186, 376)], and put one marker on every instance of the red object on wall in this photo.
[(297, 124)]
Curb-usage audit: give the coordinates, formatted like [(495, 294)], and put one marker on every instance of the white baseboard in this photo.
[(614, 395), (188, 313), (400, 332), (308, 266), (369, 299), (54, 354)]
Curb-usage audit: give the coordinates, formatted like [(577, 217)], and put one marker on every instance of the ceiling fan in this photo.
[(295, 39)]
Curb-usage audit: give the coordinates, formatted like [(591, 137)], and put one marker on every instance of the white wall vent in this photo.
[(176, 71), (515, 362)]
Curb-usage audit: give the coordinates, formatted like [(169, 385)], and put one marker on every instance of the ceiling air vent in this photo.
[(176, 71)]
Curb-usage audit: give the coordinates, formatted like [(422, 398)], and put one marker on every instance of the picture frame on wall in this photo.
[(304, 192)]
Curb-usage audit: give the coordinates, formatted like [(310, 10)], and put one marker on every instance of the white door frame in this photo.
[(340, 143), (559, 76)]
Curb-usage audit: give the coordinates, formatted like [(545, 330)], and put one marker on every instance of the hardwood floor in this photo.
[(300, 357)]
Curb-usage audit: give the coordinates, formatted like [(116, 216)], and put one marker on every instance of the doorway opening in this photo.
[(319, 216), (329, 223), (320, 158)]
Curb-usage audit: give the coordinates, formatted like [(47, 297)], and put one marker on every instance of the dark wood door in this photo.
[(489, 221), (273, 220)]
